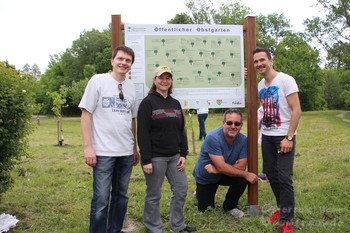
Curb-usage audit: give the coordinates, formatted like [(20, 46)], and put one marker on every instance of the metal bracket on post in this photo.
[(253, 211)]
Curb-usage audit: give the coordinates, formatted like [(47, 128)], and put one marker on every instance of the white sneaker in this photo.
[(237, 213), (194, 196)]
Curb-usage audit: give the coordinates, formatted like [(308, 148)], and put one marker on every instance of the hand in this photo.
[(286, 146), (136, 157), (181, 164), (90, 156), (148, 168), (251, 178), (211, 169)]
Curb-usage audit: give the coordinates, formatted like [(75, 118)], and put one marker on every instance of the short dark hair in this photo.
[(259, 49), (126, 50), (233, 110)]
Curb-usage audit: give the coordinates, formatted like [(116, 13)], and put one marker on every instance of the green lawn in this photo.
[(52, 190)]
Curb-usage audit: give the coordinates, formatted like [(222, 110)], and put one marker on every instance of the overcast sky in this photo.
[(32, 30)]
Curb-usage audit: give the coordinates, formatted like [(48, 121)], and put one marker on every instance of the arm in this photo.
[(184, 142), (237, 169), (89, 151), (143, 135), (294, 103), (136, 153), (181, 164)]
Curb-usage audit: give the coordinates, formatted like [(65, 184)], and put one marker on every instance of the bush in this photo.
[(16, 106)]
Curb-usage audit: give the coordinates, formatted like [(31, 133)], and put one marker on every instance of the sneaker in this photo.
[(194, 196), (286, 228), (262, 177), (237, 213), (274, 217)]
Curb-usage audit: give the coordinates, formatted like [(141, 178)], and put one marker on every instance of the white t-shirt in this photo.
[(202, 110), (277, 113), (111, 116)]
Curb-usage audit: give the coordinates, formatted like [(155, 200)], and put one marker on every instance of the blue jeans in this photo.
[(201, 121), (279, 171), (110, 193), (165, 167)]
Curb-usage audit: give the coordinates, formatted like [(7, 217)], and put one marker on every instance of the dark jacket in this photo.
[(160, 128)]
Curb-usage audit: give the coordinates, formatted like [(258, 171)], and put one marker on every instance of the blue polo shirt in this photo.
[(216, 144)]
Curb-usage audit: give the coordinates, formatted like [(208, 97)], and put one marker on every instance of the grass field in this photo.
[(52, 190)]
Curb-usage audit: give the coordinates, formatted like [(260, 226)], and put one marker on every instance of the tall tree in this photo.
[(212, 12), (271, 29), (295, 57), (89, 54), (333, 89), (331, 31)]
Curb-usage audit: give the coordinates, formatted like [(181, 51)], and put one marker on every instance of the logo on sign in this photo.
[(218, 102)]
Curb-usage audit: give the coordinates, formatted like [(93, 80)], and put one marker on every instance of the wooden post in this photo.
[(252, 104), (117, 28)]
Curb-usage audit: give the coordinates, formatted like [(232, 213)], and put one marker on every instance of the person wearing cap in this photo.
[(223, 161), (163, 148), (109, 131)]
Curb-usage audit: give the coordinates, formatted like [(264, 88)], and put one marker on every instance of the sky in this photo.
[(33, 30)]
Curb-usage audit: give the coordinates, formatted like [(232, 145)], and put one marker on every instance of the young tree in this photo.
[(58, 100)]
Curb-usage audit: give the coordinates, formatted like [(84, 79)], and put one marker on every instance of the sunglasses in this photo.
[(236, 123), (120, 88)]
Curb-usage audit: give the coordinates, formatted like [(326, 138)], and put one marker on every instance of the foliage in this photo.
[(16, 102), (345, 95), (34, 71), (230, 12), (271, 30), (206, 12), (76, 91), (89, 54), (58, 100), (331, 31), (296, 58), (181, 18), (335, 81)]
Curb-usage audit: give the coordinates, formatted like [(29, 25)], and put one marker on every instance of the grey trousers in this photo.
[(165, 167)]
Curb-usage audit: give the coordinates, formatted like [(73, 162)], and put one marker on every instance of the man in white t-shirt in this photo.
[(278, 94), (108, 129)]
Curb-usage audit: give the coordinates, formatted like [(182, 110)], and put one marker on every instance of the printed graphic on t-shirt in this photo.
[(269, 100), (116, 104), (164, 113)]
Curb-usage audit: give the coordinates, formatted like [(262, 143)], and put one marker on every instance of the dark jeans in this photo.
[(110, 186), (279, 171), (201, 121), (206, 192)]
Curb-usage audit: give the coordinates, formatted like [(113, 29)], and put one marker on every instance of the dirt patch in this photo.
[(131, 226), (342, 116)]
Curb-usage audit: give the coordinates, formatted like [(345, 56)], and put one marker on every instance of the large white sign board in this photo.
[(207, 62)]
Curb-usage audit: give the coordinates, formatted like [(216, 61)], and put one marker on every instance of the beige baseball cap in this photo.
[(163, 69)]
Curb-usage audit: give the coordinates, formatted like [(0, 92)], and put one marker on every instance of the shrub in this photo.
[(16, 106)]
